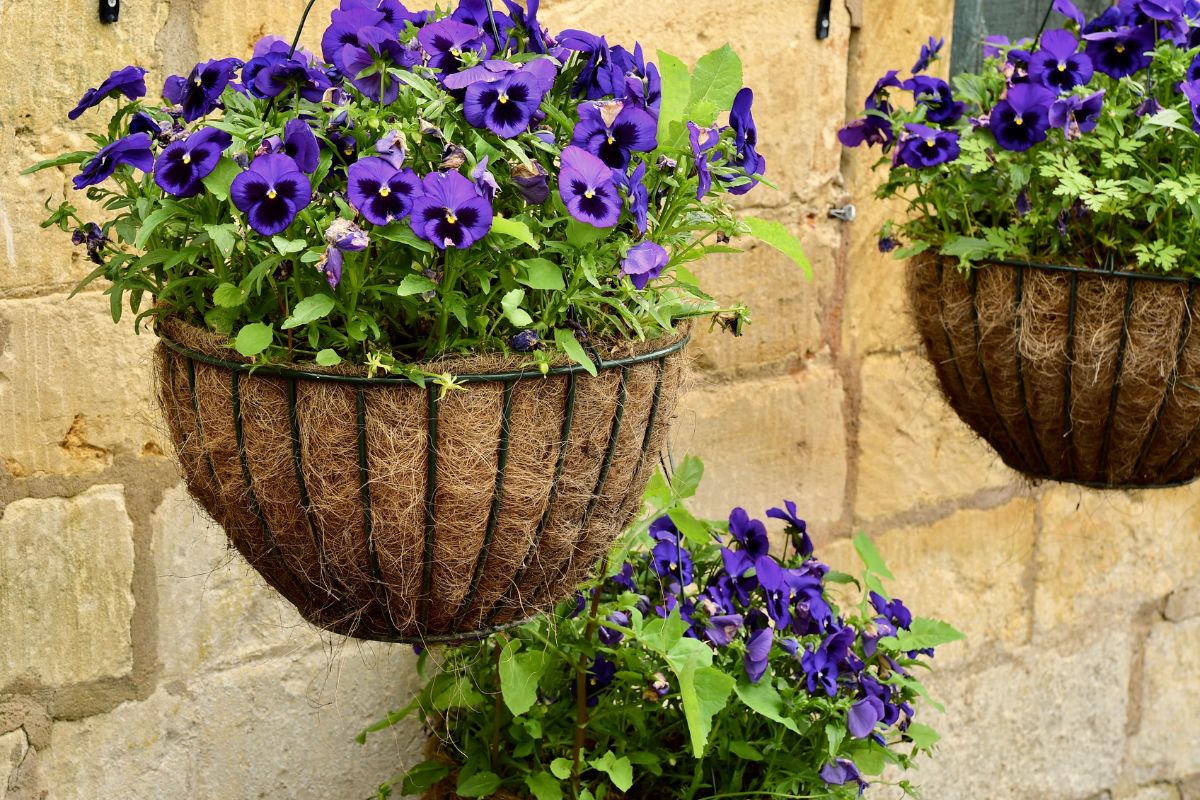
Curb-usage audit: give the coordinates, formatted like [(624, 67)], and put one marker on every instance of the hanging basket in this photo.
[(1077, 375), (385, 511)]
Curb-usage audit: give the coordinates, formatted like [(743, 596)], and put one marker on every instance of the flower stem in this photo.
[(581, 707)]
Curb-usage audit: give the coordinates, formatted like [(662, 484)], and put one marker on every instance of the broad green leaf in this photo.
[(286, 246), (561, 767), (77, 157), (662, 634), (923, 736), (456, 691), (618, 769), (310, 309), (423, 776), (253, 339), (519, 676), (580, 234), (966, 248), (687, 477), (511, 305), (695, 533), (223, 236), (150, 224), (328, 358), (541, 273), (921, 634), (566, 341), (515, 229), (705, 692), (415, 284), (765, 699), (544, 786), (835, 734), (870, 556), (228, 296), (743, 750), (676, 91), (401, 232), (778, 236), (219, 180), (716, 80), (479, 784)]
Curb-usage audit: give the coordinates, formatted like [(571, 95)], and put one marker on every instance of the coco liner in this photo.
[(383, 510), (1089, 376)]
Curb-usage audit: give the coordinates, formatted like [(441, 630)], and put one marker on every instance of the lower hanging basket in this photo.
[(1076, 375), (383, 510)]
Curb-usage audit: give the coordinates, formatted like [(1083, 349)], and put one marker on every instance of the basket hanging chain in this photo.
[(292, 50)]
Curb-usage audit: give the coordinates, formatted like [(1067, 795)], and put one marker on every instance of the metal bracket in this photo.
[(824, 9), (109, 11)]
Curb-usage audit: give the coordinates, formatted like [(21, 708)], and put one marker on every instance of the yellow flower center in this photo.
[(450, 218), (348, 151), (1019, 121), (384, 190), (931, 142), (1062, 67), (589, 194), (1120, 48), (187, 158), (611, 140), (455, 51), (271, 195), (502, 99), (196, 80)]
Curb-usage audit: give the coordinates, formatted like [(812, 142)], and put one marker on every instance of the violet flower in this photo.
[(1121, 52), (797, 528), (346, 236), (379, 191), (450, 211), (485, 181), (524, 342), (271, 193), (141, 122), (935, 95), (924, 147), (929, 52), (447, 40), (1070, 11), (505, 106), (344, 29), (1021, 119), (1058, 65), (587, 188), (330, 265), (537, 40), (301, 144), (390, 148), (612, 130), (722, 628), (841, 772), (200, 92), (864, 716), (758, 653), (610, 637), (129, 81), (745, 142), (367, 64), (183, 164), (702, 155), (636, 194), (872, 129), (1191, 90), (1077, 115), (644, 262), (133, 150), (93, 237)]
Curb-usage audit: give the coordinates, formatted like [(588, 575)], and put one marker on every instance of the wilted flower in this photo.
[(841, 772), (346, 236), (532, 182), (524, 342), (702, 155), (797, 528), (91, 235)]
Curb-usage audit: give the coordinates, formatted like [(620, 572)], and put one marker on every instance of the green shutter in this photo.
[(975, 19)]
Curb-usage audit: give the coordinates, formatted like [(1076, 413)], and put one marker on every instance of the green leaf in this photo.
[(764, 698), (520, 674), (77, 157), (455, 691), (694, 531), (310, 309), (541, 273), (836, 734), (716, 80), (423, 777), (511, 305), (328, 358), (402, 233), (687, 477), (676, 91), (228, 296), (580, 234), (923, 633), (778, 236), (150, 224), (286, 246), (870, 556), (566, 341), (743, 750), (705, 692), (561, 767), (618, 769), (966, 248), (515, 229), (479, 784), (253, 339), (415, 284), (544, 786), (923, 736), (218, 181), (223, 236)]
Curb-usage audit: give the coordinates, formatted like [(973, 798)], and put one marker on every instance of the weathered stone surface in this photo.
[(17, 711), (1049, 722), (1167, 743), (13, 747), (65, 597), (968, 569), (912, 450), (1184, 602), (1104, 554), (59, 414), (1159, 791), (281, 727), (1189, 788), (741, 433), (223, 28), (214, 611)]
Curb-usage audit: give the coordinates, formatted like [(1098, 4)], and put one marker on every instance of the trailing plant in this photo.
[(1079, 146), (432, 182), (702, 665)]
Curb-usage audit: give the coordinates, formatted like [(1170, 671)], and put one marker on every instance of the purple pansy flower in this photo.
[(343, 30), (505, 106), (841, 772), (758, 653), (592, 82), (485, 180), (797, 527), (1059, 65), (129, 81), (1021, 119), (533, 182), (380, 192), (613, 130), (480, 14), (669, 558), (271, 193), (301, 144), (183, 164), (445, 42), (346, 236), (929, 52), (864, 716), (722, 628), (634, 186), (610, 637), (141, 122), (1077, 115), (872, 129), (624, 578), (330, 265), (587, 188), (894, 610), (935, 95), (822, 665), (1070, 11), (200, 92), (923, 147), (745, 142), (375, 54), (274, 74), (1191, 90), (600, 677), (644, 262), (526, 341), (1121, 52), (133, 150), (702, 155), (527, 19), (450, 211), (390, 148)]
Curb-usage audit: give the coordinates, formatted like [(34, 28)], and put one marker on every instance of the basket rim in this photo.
[(1089, 271), (386, 380)]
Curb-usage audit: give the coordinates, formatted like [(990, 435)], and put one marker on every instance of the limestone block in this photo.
[(1159, 791), (65, 597), (214, 611), (13, 747), (913, 450), (280, 727), (1184, 602), (1166, 745), (769, 440), (62, 412), (1104, 554)]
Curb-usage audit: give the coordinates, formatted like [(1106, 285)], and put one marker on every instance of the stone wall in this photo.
[(140, 659)]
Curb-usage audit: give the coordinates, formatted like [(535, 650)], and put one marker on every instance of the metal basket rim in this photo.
[(1089, 271)]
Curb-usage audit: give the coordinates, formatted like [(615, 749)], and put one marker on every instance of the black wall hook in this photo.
[(109, 10), (824, 10)]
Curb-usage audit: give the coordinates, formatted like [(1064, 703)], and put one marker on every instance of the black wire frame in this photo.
[(509, 380)]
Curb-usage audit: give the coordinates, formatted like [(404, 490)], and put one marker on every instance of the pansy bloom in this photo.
[(381, 192), (367, 64), (935, 95), (1021, 119), (271, 193), (929, 52), (183, 164), (200, 92), (450, 212), (587, 188), (129, 81), (745, 142), (1077, 115), (923, 147), (1191, 90), (703, 156), (505, 106), (644, 262), (446, 41), (613, 130), (133, 150), (1121, 52), (1059, 65)]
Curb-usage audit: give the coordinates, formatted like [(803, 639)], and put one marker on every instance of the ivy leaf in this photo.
[(580, 234), (716, 81), (479, 784), (310, 309), (618, 769), (566, 341), (253, 339), (705, 692), (228, 296), (223, 236), (778, 236), (423, 777), (520, 674), (544, 786), (415, 284), (516, 229), (764, 698), (541, 273), (693, 530), (687, 477), (219, 180), (561, 768), (511, 305)]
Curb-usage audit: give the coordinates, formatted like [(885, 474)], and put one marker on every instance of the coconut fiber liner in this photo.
[(1078, 375), (387, 512)]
